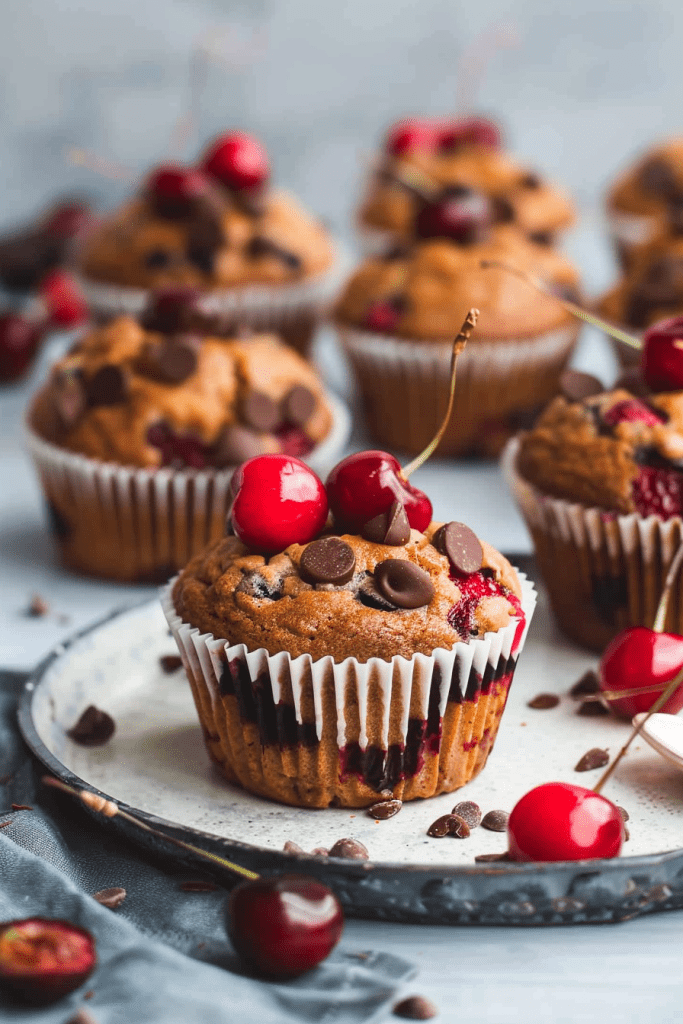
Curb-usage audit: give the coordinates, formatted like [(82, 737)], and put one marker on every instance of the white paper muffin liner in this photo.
[(603, 571), (136, 524), (368, 703), (405, 384)]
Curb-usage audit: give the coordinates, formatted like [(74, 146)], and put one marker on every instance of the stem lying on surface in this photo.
[(663, 607)]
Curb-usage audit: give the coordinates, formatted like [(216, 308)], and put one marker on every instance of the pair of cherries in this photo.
[(433, 135), (60, 306)]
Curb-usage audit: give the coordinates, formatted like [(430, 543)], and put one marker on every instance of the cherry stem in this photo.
[(474, 62), (617, 694), (98, 164), (458, 345), (110, 809), (668, 692), (571, 307), (663, 607)]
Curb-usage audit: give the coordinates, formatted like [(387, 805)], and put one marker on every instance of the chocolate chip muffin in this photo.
[(600, 483), (136, 433), (398, 314), (343, 667)]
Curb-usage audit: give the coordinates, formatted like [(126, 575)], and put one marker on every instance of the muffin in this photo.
[(427, 160), (600, 484), (341, 668), (259, 256), (399, 313), (647, 199), (136, 433)]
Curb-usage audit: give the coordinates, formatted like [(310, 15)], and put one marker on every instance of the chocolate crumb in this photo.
[(320, 851), (93, 728), (469, 812), (111, 898), (170, 663), (623, 812), (491, 858), (385, 809), (291, 847), (495, 821), (627, 834), (198, 886), (349, 848), (593, 758), (592, 709), (586, 685), (21, 807), (415, 1008), (37, 607), (543, 702), (89, 994)]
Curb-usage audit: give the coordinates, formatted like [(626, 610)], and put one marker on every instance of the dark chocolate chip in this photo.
[(259, 411), (469, 812), (658, 179), (178, 358), (627, 834), (108, 386), (587, 685), (459, 827), (461, 546), (236, 444), (350, 849), (503, 210), (328, 560), (403, 583), (69, 395), (441, 827), (593, 758), (385, 809), (544, 701), (396, 252), (592, 709), (37, 607), (390, 527), (322, 851), (495, 821), (260, 246), (199, 886), (157, 259), (530, 180), (298, 405), (204, 259), (291, 847), (544, 238), (93, 728), (577, 386), (253, 584), (369, 595), (111, 898), (625, 816), (415, 1008), (170, 663)]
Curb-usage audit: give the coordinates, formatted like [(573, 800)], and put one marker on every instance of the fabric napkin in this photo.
[(163, 955)]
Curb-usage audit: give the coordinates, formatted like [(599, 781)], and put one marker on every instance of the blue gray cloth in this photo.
[(163, 955)]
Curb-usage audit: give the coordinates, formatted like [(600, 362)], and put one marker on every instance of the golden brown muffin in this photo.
[(653, 184), (652, 286)]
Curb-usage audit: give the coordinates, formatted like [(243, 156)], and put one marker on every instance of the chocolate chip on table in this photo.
[(198, 886), (291, 847), (321, 851), (328, 560), (623, 812), (390, 527), (543, 702), (469, 812), (592, 709), (37, 607), (448, 825), (350, 849), (170, 663), (385, 809), (491, 858), (577, 386), (415, 1008), (108, 386), (459, 827), (298, 405), (593, 758), (495, 821), (587, 685), (93, 728), (461, 546), (111, 898), (259, 411), (403, 583)]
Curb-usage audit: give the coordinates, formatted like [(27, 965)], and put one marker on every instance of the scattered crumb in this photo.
[(37, 607)]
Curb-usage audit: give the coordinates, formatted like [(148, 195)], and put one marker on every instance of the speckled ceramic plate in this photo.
[(156, 766)]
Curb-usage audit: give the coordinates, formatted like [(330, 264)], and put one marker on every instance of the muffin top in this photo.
[(654, 185), (283, 603), (397, 190), (425, 292), (612, 451), (132, 395), (652, 287)]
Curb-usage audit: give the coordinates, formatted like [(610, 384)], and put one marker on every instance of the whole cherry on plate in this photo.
[(238, 161), (560, 821), (275, 501), (42, 960), (285, 925)]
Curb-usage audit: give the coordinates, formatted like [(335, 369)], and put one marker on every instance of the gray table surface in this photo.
[(589, 83)]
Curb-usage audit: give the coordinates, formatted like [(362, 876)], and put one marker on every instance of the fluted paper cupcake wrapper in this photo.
[(290, 728), (603, 571), (143, 525), (405, 384)]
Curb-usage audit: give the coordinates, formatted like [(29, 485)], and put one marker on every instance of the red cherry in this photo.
[(238, 161), (463, 217), (65, 304), (630, 410), (175, 188), (43, 960), (68, 219), (284, 926), (19, 340), (276, 500), (364, 485), (641, 657), (470, 131), (662, 356), (410, 134), (558, 821), (658, 492)]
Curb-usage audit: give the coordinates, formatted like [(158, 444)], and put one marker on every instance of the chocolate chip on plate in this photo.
[(390, 527), (108, 386), (461, 546), (459, 827), (625, 816), (93, 728), (469, 812), (415, 1008), (576, 386), (403, 583), (111, 898), (588, 684), (592, 708), (298, 405), (385, 809), (544, 701), (349, 848), (328, 560), (170, 663), (291, 847), (495, 821), (593, 758), (259, 411)]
